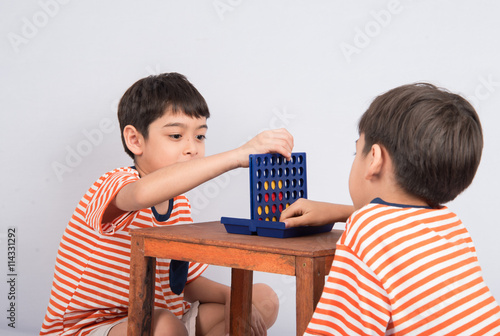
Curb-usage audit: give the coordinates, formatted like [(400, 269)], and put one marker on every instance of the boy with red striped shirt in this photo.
[(163, 126), (406, 264)]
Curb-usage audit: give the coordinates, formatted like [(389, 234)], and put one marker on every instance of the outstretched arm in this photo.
[(168, 182), (304, 212)]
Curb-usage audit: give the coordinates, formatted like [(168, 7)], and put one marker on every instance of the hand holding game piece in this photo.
[(305, 212), (272, 141)]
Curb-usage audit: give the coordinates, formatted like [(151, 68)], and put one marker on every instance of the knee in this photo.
[(267, 302), (167, 324)]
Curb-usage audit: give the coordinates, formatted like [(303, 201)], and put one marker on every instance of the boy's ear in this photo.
[(134, 139), (376, 162)]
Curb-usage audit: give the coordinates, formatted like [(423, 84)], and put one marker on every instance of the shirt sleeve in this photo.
[(101, 194), (195, 270), (353, 300)]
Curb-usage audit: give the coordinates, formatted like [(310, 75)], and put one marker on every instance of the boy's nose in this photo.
[(190, 148)]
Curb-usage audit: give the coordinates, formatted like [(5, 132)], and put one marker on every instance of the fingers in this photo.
[(313, 213), (259, 330), (289, 214), (298, 214), (294, 210), (258, 325), (283, 141), (272, 141), (294, 222), (275, 141)]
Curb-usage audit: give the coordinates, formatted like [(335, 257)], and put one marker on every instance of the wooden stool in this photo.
[(308, 258)]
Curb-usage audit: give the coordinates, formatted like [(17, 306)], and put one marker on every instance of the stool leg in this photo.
[(141, 291), (310, 274), (241, 302)]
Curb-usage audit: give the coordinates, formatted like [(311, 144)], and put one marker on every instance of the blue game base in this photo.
[(269, 229)]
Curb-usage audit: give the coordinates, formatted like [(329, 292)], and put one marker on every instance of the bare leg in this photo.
[(267, 302), (210, 320), (165, 324)]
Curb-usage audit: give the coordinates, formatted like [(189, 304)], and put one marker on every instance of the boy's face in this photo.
[(357, 186), (173, 138)]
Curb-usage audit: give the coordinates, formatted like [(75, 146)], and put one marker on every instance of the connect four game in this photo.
[(275, 183)]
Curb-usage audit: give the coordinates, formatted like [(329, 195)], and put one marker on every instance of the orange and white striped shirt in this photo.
[(405, 271), (91, 277)]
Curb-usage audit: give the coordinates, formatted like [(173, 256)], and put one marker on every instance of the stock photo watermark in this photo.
[(363, 36), (91, 139), (203, 195), (12, 276), (74, 154), (223, 7), (31, 26), (484, 90)]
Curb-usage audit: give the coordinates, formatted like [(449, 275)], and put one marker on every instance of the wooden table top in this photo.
[(214, 234)]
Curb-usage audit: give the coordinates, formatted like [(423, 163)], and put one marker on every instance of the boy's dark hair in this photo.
[(434, 138), (149, 98)]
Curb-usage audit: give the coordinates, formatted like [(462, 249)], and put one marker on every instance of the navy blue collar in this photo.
[(381, 201), (165, 217)]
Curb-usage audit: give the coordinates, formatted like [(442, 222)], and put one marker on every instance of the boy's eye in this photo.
[(201, 137), (175, 136)]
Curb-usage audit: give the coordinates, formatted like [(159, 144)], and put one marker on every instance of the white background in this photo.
[(310, 66)]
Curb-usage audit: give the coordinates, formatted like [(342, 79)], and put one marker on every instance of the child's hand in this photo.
[(257, 324), (305, 212), (273, 141)]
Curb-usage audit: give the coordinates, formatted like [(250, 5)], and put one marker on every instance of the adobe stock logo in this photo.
[(31, 27), (372, 29), (90, 138), (484, 90), (74, 155), (224, 6)]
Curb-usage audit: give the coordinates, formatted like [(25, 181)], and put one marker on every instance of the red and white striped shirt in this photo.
[(91, 278), (405, 271)]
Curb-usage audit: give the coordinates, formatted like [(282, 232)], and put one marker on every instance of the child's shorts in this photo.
[(189, 320)]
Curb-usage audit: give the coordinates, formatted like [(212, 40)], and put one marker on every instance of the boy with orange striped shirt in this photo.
[(406, 264), (163, 126)]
